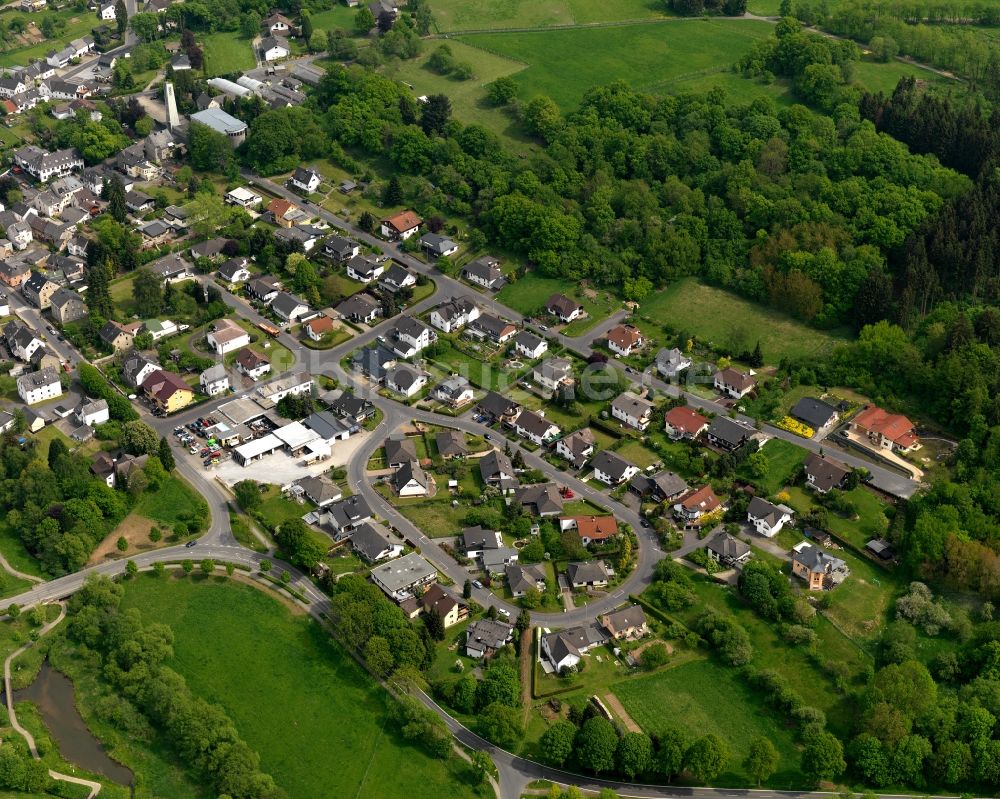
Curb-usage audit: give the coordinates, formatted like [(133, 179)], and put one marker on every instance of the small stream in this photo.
[(52, 694)]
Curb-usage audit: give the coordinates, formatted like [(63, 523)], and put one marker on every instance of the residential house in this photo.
[(306, 235), (824, 474), (168, 391), (485, 637), (366, 268), (683, 422), (886, 430), (288, 307), (577, 447), (626, 624), (495, 561), (410, 336), (493, 328), (284, 213), (401, 226), (529, 345), (396, 278), (437, 246), (533, 426), (173, 269), (44, 166), (136, 368), (400, 577), (612, 469), (815, 413), (521, 579), (399, 449), (728, 550), (659, 487), (767, 518), (330, 428), (498, 408), (565, 648), (405, 379), (542, 499), (67, 306), (484, 272), (588, 574), (632, 410), (294, 385), (4, 304), (553, 374), (243, 197), (138, 202), (565, 309), (92, 412), (214, 380), (264, 288), (497, 471), (819, 569), (39, 386), (277, 23), (103, 467), (349, 406), (623, 340), (274, 48), (212, 249), (374, 362), (477, 540), (373, 545), (346, 515), (155, 233), (410, 480), (42, 358), (160, 328), (734, 383), (695, 505), (591, 529), (455, 391), (670, 363), (252, 364), (38, 290), (451, 444), (227, 336), (306, 179), (359, 308), (318, 327), (341, 249), (438, 601), (728, 434), (235, 271), (454, 314)]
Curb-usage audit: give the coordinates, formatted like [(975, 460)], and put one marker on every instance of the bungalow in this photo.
[(366, 268), (626, 624), (288, 307), (612, 469), (251, 364), (660, 487), (242, 197), (728, 550), (767, 518), (341, 249), (819, 569), (728, 434), (533, 426), (484, 272), (306, 180), (577, 447), (632, 410), (155, 233), (496, 470), (451, 444), (529, 345), (173, 269), (565, 309), (542, 499), (359, 308), (319, 327), (405, 379), (401, 226), (454, 314), (564, 649), (498, 408), (815, 413), (553, 374), (168, 391), (399, 449), (399, 578), (488, 326), (485, 637), (214, 380), (670, 363), (396, 278), (886, 430), (437, 246), (521, 579), (39, 386), (410, 480), (824, 474), (623, 340), (454, 391), (91, 412), (588, 574), (235, 271), (734, 383), (685, 422), (696, 504), (372, 545), (227, 336), (591, 529), (210, 248)]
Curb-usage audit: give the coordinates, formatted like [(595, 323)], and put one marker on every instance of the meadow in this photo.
[(290, 690), (227, 53), (173, 501), (528, 294), (784, 461), (455, 15), (78, 23)]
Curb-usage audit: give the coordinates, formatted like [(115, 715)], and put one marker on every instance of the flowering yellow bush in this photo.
[(794, 426)]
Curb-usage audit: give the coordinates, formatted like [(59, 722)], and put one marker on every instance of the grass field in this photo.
[(702, 697), (529, 294), (226, 53), (340, 16), (784, 461), (721, 319), (871, 521), (172, 501), (78, 23), (121, 296), (291, 692), (16, 553), (452, 15)]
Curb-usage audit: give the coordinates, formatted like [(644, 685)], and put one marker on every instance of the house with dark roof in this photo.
[(359, 308), (485, 637), (530, 346), (524, 578), (252, 364), (399, 449), (627, 624), (815, 413), (487, 326), (451, 444), (320, 490), (659, 487), (542, 499), (485, 272), (396, 278), (728, 434), (498, 408), (405, 379), (820, 570), (438, 246), (263, 288), (374, 362), (344, 515), (136, 368), (373, 544), (612, 469), (306, 179), (67, 306), (632, 410), (670, 363), (728, 550), (288, 307), (563, 308), (768, 518), (476, 540), (588, 574), (497, 471), (341, 248), (824, 473), (734, 383), (533, 426), (366, 268), (577, 447), (564, 649), (348, 405)]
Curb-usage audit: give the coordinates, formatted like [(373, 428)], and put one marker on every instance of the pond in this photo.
[(52, 694)]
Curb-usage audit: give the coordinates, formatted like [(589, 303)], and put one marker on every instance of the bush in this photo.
[(654, 656)]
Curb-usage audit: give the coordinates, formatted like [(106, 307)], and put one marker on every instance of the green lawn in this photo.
[(172, 502), (435, 517), (870, 523), (121, 296), (16, 553), (635, 452), (721, 319), (340, 16), (528, 295), (702, 697), (784, 460), (226, 53), (277, 508), (78, 23), (451, 15), (296, 697)]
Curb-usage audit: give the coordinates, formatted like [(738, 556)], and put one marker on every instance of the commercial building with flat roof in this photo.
[(218, 120)]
